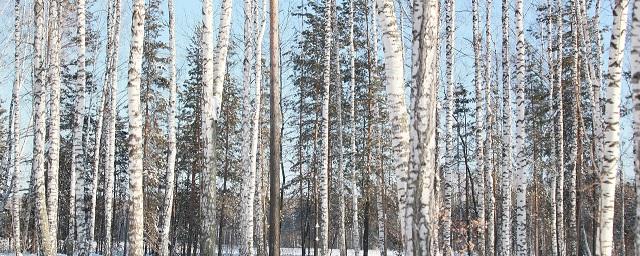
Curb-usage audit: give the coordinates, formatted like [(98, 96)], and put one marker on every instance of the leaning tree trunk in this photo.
[(54, 125), (14, 151), (521, 161), (423, 172), (323, 176), (507, 163), (136, 210), (450, 154), (611, 160), (355, 229), (113, 43), (171, 161), (398, 115), (248, 159), (635, 88), (214, 71), (39, 129)]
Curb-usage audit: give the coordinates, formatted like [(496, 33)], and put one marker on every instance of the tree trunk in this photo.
[(14, 151), (521, 159), (39, 128), (611, 160), (136, 210), (399, 117), (54, 125), (450, 155), (323, 176), (275, 132), (355, 229), (489, 155), (171, 161), (113, 43), (507, 156)]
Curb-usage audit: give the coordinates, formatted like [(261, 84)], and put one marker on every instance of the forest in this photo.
[(320, 127)]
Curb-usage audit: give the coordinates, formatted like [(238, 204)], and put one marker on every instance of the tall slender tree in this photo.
[(54, 123), (399, 117), (38, 165), (635, 87), (170, 175), (521, 160), (479, 127), (611, 159), (489, 157), (450, 152), (507, 163), (275, 143), (323, 176), (136, 203), (355, 229), (559, 174), (14, 151)]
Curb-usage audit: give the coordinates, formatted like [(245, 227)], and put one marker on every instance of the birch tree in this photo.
[(215, 65), (423, 171), (171, 162), (54, 122), (507, 163), (559, 193), (450, 155), (635, 95), (521, 160), (355, 229), (479, 126), (489, 152), (323, 176), (398, 115), (611, 160), (78, 174), (16, 199), (136, 207), (38, 165), (113, 44), (248, 179), (341, 237)]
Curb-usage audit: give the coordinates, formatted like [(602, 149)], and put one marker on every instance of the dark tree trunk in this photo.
[(276, 126)]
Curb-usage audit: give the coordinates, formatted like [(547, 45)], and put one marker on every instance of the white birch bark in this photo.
[(214, 70), (561, 249), (39, 129), (136, 205), (635, 96), (112, 81), (489, 157), (398, 115), (611, 160), (96, 165), (248, 176), (572, 232), (521, 160), (323, 176), (479, 126), (16, 199), (255, 135), (355, 229), (341, 236), (423, 170), (553, 174), (507, 157), (54, 125), (77, 157), (171, 161), (450, 152), (380, 183)]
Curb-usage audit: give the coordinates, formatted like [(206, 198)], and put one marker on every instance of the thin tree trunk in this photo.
[(521, 160), (248, 157), (489, 157), (341, 236), (16, 199), (479, 126), (561, 249), (39, 128), (611, 160), (553, 176), (171, 161), (450, 155), (380, 182), (507, 156), (136, 210), (323, 176), (54, 126), (113, 43), (399, 117), (275, 132), (355, 229), (256, 138), (572, 233)]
